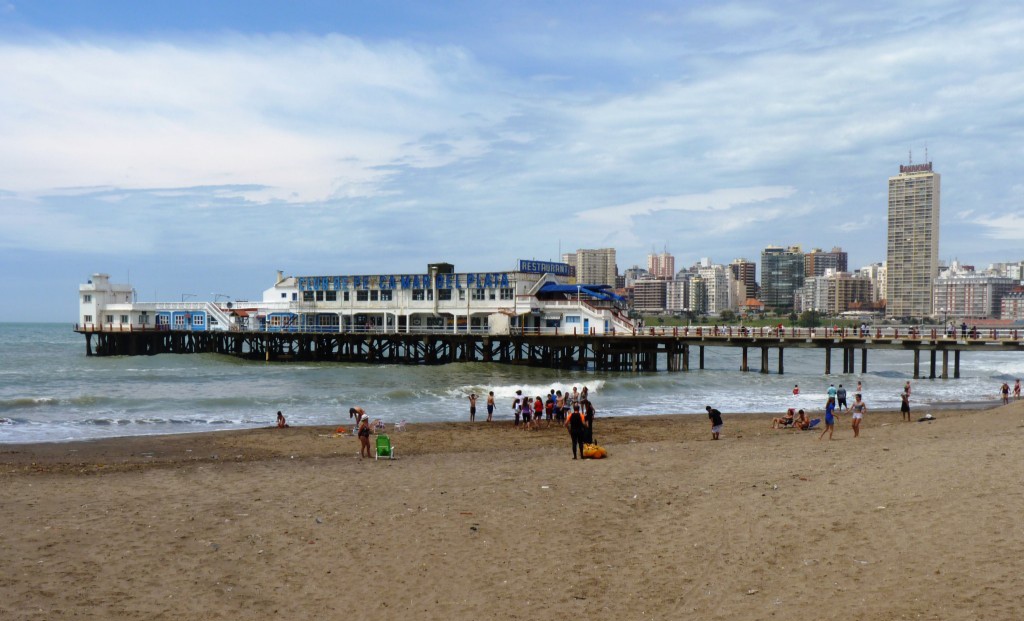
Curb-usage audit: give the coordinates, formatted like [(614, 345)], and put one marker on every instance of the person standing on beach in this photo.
[(796, 390), (490, 406), (1005, 389), (472, 407), (830, 419), (516, 404), (905, 406), (716, 421), (1016, 390), (841, 397), (576, 424), (560, 408), (858, 409), (859, 387), (364, 437), (832, 393), (588, 418)]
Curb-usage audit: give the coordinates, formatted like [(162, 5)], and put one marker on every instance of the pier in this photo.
[(681, 349)]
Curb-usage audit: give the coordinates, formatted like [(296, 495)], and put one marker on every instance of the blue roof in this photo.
[(599, 292)]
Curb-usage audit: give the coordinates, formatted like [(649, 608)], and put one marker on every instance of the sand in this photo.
[(910, 521)]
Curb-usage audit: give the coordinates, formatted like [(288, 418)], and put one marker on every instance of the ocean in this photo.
[(51, 391)]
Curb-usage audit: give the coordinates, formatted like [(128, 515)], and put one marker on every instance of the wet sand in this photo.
[(478, 521)]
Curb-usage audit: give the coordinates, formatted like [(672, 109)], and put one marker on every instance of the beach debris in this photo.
[(880, 507), (214, 546), (319, 520), (545, 487), (862, 562), (474, 527), (753, 591)]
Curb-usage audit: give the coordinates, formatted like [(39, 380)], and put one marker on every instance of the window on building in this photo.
[(572, 319), (86, 298), (462, 295), (507, 293), (344, 296), (125, 319), (478, 294), (332, 296), (110, 319), (385, 296), (418, 295), (319, 296), (307, 296), (144, 319), (87, 319), (284, 296), (198, 320), (374, 295), (295, 296), (492, 294), (362, 296), (444, 294), (179, 321)]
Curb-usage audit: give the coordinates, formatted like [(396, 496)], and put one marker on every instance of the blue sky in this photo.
[(197, 147)]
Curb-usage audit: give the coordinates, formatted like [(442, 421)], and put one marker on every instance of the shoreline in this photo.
[(130, 453)]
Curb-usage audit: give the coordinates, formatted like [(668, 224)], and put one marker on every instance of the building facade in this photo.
[(1012, 305), (649, 296), (962, 293), (596, 266), (782, 273), (745, 272), (661, 265), (912, 248), (817, 262)]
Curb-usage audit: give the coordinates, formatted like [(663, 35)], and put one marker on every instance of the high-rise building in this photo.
[(633, 274), (718, 281), (595, 267), (782, 273), (745, 272), (817, 262), (661, 265), (677, 293), (649, 295), (876, 274), (834, 293), (912, 251)]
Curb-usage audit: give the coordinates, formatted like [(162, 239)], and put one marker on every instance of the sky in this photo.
[(194, 148)]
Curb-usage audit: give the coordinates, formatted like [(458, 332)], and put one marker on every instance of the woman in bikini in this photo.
[(364, 437), (858, 408)]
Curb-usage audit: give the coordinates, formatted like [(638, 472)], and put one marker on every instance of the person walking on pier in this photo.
[(472, 407), (716, 421)]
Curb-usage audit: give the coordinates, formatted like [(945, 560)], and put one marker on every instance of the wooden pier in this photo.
[(638, 352)]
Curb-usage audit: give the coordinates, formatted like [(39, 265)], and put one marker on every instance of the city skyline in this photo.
[(199, 148)]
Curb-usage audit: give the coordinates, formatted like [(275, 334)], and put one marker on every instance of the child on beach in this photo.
[(830, 420), (281, 423), (472, 407), (364, 436)]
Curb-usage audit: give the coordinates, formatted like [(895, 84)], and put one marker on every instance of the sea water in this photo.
[(51, 391)]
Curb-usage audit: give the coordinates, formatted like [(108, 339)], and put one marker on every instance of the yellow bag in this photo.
[(593, 451)]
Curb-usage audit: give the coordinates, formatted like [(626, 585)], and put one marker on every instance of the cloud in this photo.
[(1008, 227), (306, 118)]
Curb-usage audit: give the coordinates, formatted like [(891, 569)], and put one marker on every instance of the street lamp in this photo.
[(187, 295), (216, 296)]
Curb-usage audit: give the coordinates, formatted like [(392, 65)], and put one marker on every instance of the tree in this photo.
[(727, 316), (809, 319)]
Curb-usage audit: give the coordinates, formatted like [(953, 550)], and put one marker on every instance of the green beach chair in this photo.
[(384, 448)]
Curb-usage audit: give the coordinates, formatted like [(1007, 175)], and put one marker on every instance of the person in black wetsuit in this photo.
[(588, 418), (576, 426)]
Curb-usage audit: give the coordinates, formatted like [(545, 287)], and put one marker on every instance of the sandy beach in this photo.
[(477, 521)]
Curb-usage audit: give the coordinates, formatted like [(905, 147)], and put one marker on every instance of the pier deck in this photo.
[(636, 352)]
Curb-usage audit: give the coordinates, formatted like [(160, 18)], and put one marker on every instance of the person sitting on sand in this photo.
[(281, 424), (802, 422), (783, 422)]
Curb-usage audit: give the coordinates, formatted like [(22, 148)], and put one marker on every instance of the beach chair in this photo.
[(814, 423), (378, 426), (400, 425), (384, 448)]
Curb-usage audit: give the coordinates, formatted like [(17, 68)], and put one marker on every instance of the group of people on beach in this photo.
[(1004, 390), (836, 402)]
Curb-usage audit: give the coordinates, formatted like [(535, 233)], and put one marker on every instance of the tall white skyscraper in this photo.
[(913, 243)]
